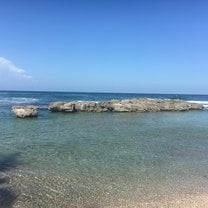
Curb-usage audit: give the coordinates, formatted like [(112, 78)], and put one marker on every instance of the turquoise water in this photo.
[(94, 160)]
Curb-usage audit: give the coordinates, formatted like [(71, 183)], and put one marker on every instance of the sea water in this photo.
[(95, 160)]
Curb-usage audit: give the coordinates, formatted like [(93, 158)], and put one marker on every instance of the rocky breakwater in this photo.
[(25, 111), (127, 105)]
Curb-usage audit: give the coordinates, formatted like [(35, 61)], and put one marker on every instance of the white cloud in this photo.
[(10, 67)]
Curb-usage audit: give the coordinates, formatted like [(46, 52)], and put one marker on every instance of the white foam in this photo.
[(18, 100), (204, 103), (87, 101)]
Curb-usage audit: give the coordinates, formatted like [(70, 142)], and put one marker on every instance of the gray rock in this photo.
[(25, 111), (62, 107), (127, 105)]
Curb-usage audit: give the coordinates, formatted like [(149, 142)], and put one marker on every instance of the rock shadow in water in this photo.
[(7, 195), (7, 198)]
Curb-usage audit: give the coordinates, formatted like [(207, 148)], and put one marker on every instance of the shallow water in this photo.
[(94, 160)]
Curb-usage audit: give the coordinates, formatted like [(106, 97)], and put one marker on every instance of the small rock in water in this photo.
[(25, 111)]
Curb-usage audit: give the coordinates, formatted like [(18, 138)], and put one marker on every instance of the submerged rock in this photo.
[(127, 105), (25, 111)]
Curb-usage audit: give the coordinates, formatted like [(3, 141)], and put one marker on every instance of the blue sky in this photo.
[(104, 45)]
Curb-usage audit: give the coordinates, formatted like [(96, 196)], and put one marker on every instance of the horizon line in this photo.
[(102, 92)]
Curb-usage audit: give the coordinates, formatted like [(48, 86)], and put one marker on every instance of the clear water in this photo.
[(94, 160)]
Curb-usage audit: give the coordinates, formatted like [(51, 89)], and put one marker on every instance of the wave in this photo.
[(43, 107), (17, 100), (204, 103)]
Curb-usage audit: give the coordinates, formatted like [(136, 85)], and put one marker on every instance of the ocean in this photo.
[(102, 160)]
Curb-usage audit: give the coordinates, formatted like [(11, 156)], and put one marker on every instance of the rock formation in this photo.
[(127, 105), (25, 111)]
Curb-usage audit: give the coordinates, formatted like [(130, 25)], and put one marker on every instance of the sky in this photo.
[(138, 46)]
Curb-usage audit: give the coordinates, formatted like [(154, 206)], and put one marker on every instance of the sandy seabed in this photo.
[(33, 191), (199, 201)]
